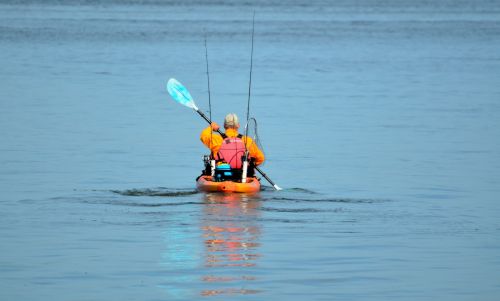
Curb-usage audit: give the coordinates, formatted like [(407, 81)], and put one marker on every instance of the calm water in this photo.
[(380, 118)]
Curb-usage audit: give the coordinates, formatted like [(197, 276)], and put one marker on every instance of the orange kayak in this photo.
[(205, 183)]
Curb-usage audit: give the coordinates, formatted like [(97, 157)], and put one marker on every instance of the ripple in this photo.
[(142, 204), (160, 191), (329, 200), (299, 210)]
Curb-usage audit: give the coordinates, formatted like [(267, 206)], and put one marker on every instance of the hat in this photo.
[(231, 121)]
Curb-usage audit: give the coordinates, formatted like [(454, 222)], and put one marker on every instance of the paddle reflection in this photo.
[(231, 238)]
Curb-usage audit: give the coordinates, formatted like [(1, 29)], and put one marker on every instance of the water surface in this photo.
[(379, 118)]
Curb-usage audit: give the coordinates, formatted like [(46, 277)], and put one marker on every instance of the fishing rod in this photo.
[(208, 80), (247, 153), (250, 78), (212, 159), (248, 111)]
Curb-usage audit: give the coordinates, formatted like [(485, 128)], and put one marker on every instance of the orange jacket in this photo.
[(214, 140)]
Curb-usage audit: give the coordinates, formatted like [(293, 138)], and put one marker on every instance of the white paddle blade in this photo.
[(180, 94)]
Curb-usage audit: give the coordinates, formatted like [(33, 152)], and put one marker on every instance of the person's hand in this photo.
[(215, 126)]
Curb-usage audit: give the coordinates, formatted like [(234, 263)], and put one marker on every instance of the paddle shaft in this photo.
[(207, 119), (267, 178), (256, 167)]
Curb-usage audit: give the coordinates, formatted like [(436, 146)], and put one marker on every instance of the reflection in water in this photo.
[(180, 259), (231, 239)]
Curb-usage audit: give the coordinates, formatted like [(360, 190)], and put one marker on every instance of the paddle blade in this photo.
[(180, 94)]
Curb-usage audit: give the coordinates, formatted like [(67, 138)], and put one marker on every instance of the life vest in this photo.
[(231, 151)]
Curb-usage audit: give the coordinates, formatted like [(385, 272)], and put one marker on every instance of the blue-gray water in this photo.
[(379, 118)]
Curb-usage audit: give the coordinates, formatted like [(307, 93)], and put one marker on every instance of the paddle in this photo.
[(181, 95)]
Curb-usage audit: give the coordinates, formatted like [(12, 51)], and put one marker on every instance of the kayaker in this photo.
[(231, 146)]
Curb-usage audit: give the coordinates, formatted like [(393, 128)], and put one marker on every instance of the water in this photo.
[(379, 118)]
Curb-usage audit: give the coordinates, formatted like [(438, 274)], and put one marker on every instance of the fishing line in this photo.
[(255, 136)]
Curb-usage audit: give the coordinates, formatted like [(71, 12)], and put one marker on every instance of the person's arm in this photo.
[(211, 140)]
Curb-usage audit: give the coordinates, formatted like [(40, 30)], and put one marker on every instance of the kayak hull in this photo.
[(205, 184)]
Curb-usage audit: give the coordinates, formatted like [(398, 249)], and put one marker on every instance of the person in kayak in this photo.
[(230, 147)]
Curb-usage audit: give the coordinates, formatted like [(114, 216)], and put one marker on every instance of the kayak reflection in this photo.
[(231, 234)]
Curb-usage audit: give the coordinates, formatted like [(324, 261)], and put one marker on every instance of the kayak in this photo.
[(206, 184)]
